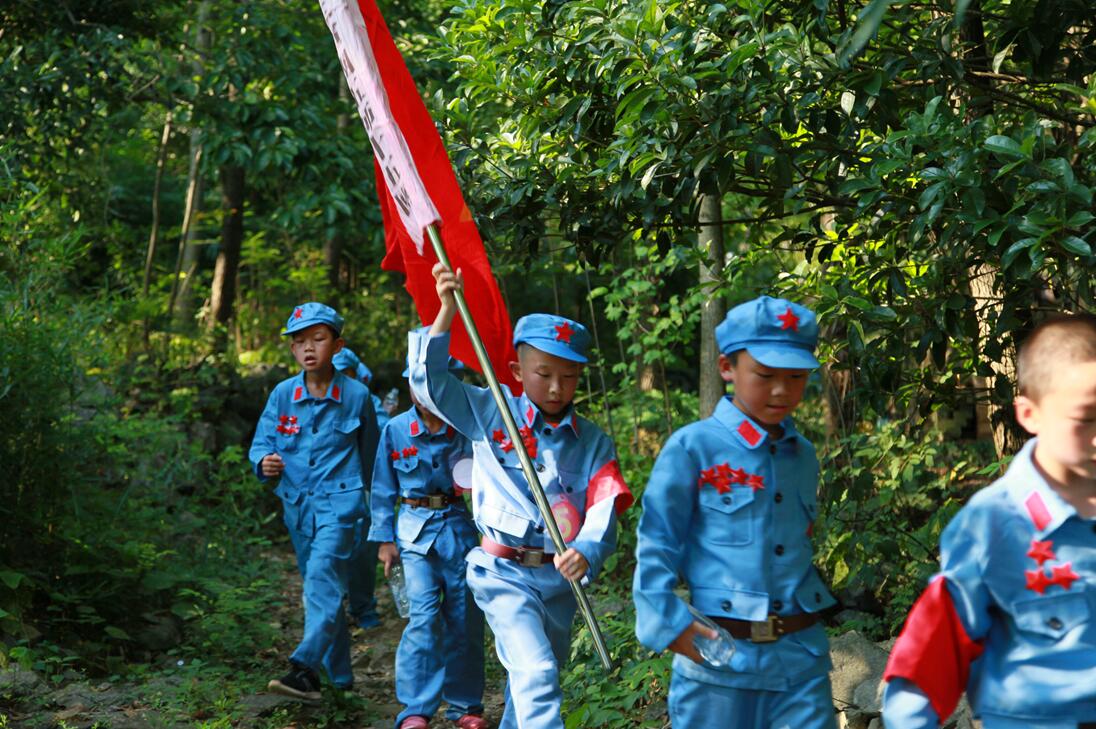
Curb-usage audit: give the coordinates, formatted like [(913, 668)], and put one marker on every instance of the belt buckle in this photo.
[(530, 557), (764, 631), (435, 501)]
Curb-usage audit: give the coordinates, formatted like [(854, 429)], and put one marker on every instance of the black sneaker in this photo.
[(300, 683)]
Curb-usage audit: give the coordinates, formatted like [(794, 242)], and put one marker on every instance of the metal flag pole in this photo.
[(523, 455)]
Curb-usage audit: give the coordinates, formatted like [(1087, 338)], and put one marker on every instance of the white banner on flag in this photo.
[(415, 207)]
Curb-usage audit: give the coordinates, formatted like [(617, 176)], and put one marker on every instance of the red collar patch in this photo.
[(747, 431), (1038, 510), (414, 427), (298, 393)]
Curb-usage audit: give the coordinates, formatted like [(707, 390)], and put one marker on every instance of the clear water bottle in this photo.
[(717, 651), (398, 584), (391, 401)]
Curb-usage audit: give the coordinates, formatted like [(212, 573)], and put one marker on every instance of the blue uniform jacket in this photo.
[(1020, 565), (328, 444), (412, 462), (575, 460), (729, 509)]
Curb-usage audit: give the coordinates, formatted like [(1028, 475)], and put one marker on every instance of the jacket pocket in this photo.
[(409, 524), (492, 516), (1052, 617), (724, 518), (347, 501), (406, 464)]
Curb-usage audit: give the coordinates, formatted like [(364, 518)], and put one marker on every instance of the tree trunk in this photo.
[(713, 309), (154, 234), (232, 235), (994, 413), (183, 301), (333, 245)]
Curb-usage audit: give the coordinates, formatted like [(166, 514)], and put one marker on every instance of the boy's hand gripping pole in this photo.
[(523, 455)]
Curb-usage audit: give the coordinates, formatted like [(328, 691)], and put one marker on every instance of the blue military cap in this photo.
[(553, 334), (345, 359), (311, 313), (776, 332)]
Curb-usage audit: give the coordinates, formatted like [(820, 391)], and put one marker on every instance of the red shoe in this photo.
[(472, 721), (414, 722)]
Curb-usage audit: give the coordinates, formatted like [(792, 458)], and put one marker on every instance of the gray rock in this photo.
[(16, 682), (261, 705), (868, 696), (855, 661)]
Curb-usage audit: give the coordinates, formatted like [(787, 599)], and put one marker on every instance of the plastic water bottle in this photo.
[(716, 651), (391, 401), (399, 591)]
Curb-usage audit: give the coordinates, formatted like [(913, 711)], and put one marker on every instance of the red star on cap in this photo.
[(1037, 581), (788, 320), (756, 481), (1041, 551), (564, 332), (298, 313), (1064, 576)]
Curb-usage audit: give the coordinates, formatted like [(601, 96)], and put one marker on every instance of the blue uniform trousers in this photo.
[(530, 611), (323, 559), (362, 578), (694, 703), (440, 655)]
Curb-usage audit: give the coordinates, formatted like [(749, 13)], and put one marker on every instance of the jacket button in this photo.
[(1054, 624), (778, 605), (547, 431), (309, 493), (435, 464), (726, 499), (315, 429), (540, 530), (772, 449), (569, 489), (778, 497), (779, 550), (540, 467), (725, 605), (818, 597), (312, 461), (342, 486), (502, 460)]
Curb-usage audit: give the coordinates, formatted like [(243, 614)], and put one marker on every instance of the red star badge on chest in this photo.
[(1036, 580), (394, 455), (498, 436), (1041, 551), (788, 320), (411, 451), (1064, 576), (756, 481), (564, 332), (739, 475)]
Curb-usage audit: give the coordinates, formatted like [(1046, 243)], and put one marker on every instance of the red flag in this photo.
[(934, 651), (411, 161)]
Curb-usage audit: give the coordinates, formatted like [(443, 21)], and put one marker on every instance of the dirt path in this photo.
[(27, 700)]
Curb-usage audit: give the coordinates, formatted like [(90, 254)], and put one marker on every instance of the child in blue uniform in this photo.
[(426, 466), (362, 574), (728, 509), (515, 577), (1011, 617), (318, 437)]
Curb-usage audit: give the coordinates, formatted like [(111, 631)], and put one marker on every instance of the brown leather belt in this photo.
[(768, 630), (433, 501), (525, 556), (1087, 725)]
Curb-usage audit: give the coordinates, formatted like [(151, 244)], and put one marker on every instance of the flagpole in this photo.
[(523, 455)]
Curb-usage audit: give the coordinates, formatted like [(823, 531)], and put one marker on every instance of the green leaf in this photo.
[(1073, 244), (1002, 145), (116, 633), (867, 23), (1015, 249), (11, 579)]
